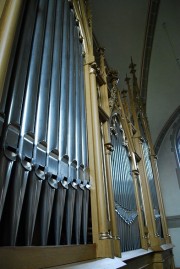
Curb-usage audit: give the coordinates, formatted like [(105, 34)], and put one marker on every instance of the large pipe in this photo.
[(35, 109), (64, 114), (42, 119), (64, 85), (77, 147), (53, 126)]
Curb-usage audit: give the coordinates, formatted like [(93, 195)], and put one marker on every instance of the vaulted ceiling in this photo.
[(149, 32)]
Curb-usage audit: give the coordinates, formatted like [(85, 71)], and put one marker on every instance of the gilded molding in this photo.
[(113, 98), (116, 237), (93, 68), (105, 235), (109, 147)]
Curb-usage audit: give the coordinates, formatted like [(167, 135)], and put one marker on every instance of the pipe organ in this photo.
[(44, 157), (77, 166)]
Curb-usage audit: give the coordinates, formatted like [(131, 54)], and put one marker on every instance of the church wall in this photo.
[(170, 189)]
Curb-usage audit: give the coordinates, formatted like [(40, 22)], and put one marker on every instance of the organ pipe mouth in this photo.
[(64, 183), (88, 186), (26, 163), (10, 153), (52, 180), (74, 184)]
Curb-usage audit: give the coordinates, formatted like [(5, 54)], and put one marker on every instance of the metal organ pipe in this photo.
[(47, 193), (32, 122), (53, 128), (70, 198)]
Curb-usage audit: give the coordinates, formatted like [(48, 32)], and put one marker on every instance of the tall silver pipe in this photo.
[(64, 114), (42, 120), (72, 91), (31, 105), (75, 119), (53, 127), (63, 118)]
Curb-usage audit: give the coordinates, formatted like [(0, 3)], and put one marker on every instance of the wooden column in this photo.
[(8, 25), (104, 247), (94, 211), (108, 150), (153, 159)]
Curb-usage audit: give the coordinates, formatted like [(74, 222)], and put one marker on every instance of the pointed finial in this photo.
[(127, 79), (132, 66)]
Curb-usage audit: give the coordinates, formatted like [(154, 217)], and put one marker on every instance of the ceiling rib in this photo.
[(148, 43)]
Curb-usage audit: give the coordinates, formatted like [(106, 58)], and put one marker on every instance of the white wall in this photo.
[(170, 187)]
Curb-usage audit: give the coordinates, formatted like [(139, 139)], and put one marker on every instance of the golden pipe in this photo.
[(8, 25)]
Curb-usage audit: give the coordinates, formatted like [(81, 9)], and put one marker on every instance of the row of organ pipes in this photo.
[(48, 188), (44, 185)]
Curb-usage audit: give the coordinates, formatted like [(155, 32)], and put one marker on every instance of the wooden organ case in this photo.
[(78, 173)]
